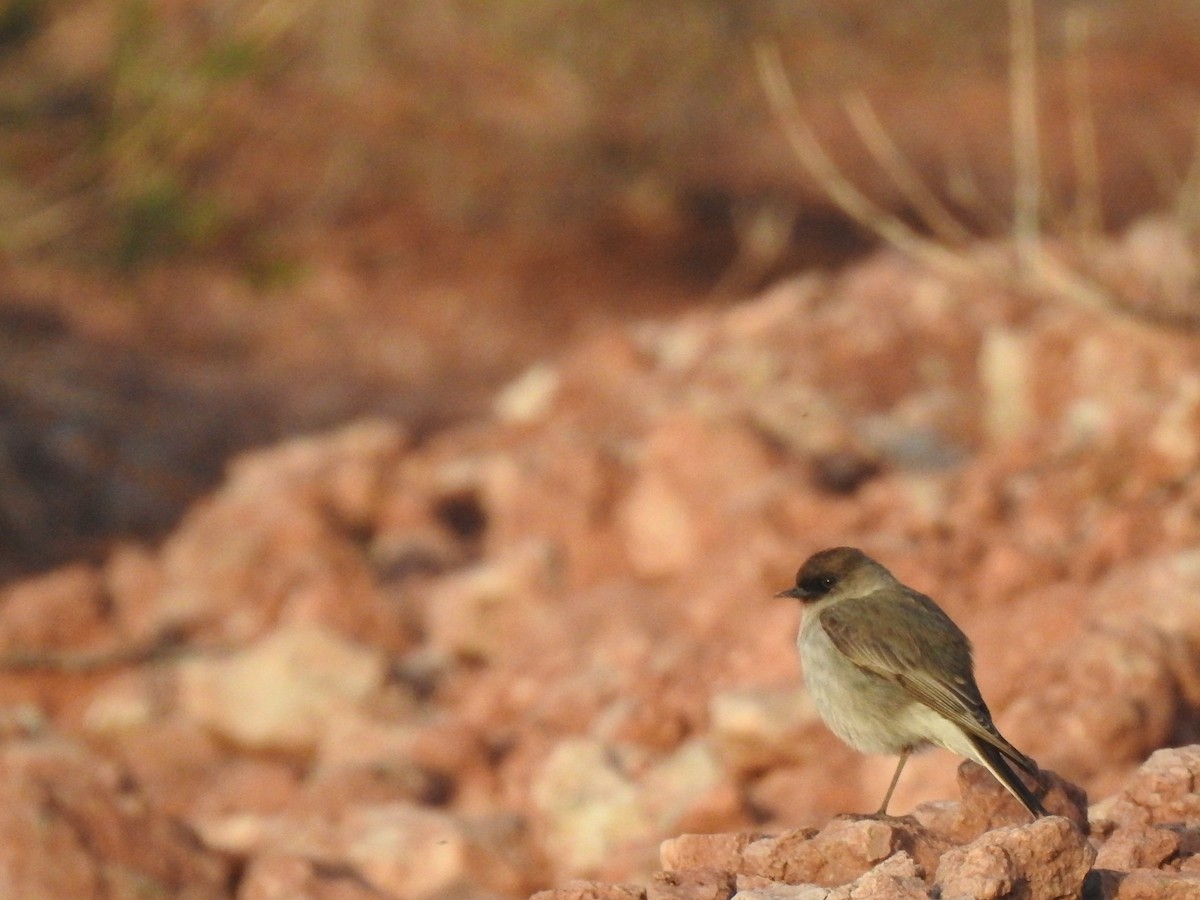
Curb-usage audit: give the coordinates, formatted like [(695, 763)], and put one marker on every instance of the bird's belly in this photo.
[(869, 713)]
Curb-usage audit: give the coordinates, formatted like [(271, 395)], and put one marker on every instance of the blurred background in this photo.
[(227, 221)]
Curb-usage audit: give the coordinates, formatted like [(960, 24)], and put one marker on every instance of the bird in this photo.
[(891, 673)]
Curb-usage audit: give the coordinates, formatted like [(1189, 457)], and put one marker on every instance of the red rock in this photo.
[(896, 878), (754, 729), (839, 853), (692, 884), (70, 828), (1160, 792), (58, 611), (282, 877), (592, 890), (720, 852), (1137, 847), (1049, 858), (987, 804), (278, 693), (1147, 884)]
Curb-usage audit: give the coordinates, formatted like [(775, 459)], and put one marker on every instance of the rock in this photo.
[(1113, 695), (660, 537), (1143, 884), (685, 783), (1047, 859), (1006, 376), (721, 852), (71, 827), (403, 850), (61, 610), (282, 877), (758, 728), (987, 804), (692, 884), (278, 693), (1160, 792), (777, 891), (843, 850), (528, 397), (896, 878), (592, 890), (1138, 847), (126, 702), (279, 541), (481, 612), (586, 805)]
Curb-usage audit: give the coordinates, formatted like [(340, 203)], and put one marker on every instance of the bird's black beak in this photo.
[(794, 592)]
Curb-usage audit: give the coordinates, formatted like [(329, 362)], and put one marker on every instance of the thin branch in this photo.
[(1026, 155), (1187, 202), (1089, 212), (841, 190), (909, 182)]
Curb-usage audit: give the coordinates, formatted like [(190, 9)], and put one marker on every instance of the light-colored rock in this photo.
[(722, 852), (660, 535), (278, 693), (780, 891), (69, 827), (488, 609), (1147, 884), (125, 702), (404, 850), (1159, 792), (276, 542), (841, 852), (1137, 847), (1162, 791), (1047, 859), (586, 805), (758, 728), (691, 884), (592, 890), (1006, 376), (276, 876), (529, 396), (896, 878)]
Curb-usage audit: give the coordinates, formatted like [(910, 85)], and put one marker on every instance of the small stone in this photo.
[(592, 890), (692, 884), (754, 729), (278, 693), (530, 396), (660, 537), (587, 805), (896, 878)]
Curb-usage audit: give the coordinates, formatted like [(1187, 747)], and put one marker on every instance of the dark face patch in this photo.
[(810, 586), (816, 585)]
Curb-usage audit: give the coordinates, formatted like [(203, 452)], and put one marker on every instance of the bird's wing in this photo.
[(904, 654)]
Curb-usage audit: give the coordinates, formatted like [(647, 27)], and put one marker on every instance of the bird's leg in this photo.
[(904, 754)]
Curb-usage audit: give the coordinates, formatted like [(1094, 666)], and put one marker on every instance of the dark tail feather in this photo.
[(1020, 759), (999, 767)]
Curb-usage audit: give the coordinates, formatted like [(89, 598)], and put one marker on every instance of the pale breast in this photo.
[(866, 711)]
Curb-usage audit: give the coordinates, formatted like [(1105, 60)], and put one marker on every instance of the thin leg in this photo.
[(904, 754)]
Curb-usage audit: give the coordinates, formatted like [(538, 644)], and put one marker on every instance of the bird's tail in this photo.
[(994, 761)]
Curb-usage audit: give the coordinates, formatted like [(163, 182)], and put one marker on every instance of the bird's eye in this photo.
[(817, 585)]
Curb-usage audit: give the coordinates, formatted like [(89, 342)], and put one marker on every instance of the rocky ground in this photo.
[(533, 647)]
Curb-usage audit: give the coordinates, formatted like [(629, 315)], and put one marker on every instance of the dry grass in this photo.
[(1036, 268)]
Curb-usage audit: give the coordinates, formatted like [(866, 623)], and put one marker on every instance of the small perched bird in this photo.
[(891, 673)]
